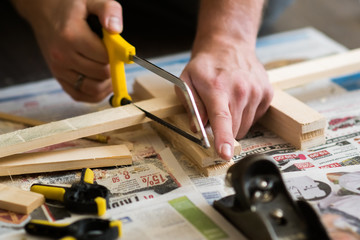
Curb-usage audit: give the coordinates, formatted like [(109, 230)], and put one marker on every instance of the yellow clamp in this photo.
[(88, 176), (49, 192), (120, 52), (46, 228)]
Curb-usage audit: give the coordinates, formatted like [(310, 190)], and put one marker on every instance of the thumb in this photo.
[(109, 13)]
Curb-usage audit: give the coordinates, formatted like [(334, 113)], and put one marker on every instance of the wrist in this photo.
[(230, 24), (38, 12), (223, 45)]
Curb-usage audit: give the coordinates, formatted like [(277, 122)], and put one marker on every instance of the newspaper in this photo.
[(334, 193), (182, 214), (327, 175), (144, 195)]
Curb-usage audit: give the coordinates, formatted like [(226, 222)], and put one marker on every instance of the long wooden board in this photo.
[(85, 125), (20, 201), (34, 122), (111, 119), (320, 68), (69, 159)]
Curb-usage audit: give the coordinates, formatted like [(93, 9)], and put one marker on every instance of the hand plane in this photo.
[(262, 208)]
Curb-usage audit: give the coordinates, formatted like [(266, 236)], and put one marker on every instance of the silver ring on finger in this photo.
[(79, 82)]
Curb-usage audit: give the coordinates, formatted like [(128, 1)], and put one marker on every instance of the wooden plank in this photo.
[(200, 156), (326, 67), (69, 159), (85, 125), (152, 86), (294, 121), (298, 74), (20, 201), (33, 122), (217, 169)]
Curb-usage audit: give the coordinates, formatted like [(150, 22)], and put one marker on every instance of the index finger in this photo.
[(221, 123)]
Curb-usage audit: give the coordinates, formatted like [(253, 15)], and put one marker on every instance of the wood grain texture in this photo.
[(61, 160), (19, 201), (33, 122), (217, 169), (294, 121), (200, 156), (326, 67), (85, 125)]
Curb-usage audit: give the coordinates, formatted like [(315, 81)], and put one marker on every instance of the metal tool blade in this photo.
[(170, 126), (185, 89)]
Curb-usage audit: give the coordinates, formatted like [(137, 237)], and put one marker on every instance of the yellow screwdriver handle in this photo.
[(120, 52)]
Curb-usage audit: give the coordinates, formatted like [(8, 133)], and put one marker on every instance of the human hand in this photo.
[(75, 55), (231, 90)]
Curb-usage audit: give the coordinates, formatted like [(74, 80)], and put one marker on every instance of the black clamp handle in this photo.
[(84, 229), (82, 197)]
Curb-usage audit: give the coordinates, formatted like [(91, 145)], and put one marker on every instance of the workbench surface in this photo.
[(151, 195)]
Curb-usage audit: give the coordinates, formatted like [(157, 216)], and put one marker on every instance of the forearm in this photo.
[(19, 5), (36, 12), (230, 22)]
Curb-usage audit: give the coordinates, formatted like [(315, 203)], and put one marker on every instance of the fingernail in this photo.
[(115, 24), (225, 151)]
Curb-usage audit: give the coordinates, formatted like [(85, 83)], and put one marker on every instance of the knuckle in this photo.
[(240, 91), (257, 90), (218, 84), (225, 115), (105, 72), (56, 55), (257, 93), (67, 33)]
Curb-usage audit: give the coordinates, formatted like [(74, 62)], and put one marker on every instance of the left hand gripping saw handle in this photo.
[(120, 52)]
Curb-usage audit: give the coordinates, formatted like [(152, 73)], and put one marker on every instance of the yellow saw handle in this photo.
[(120, 52)]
